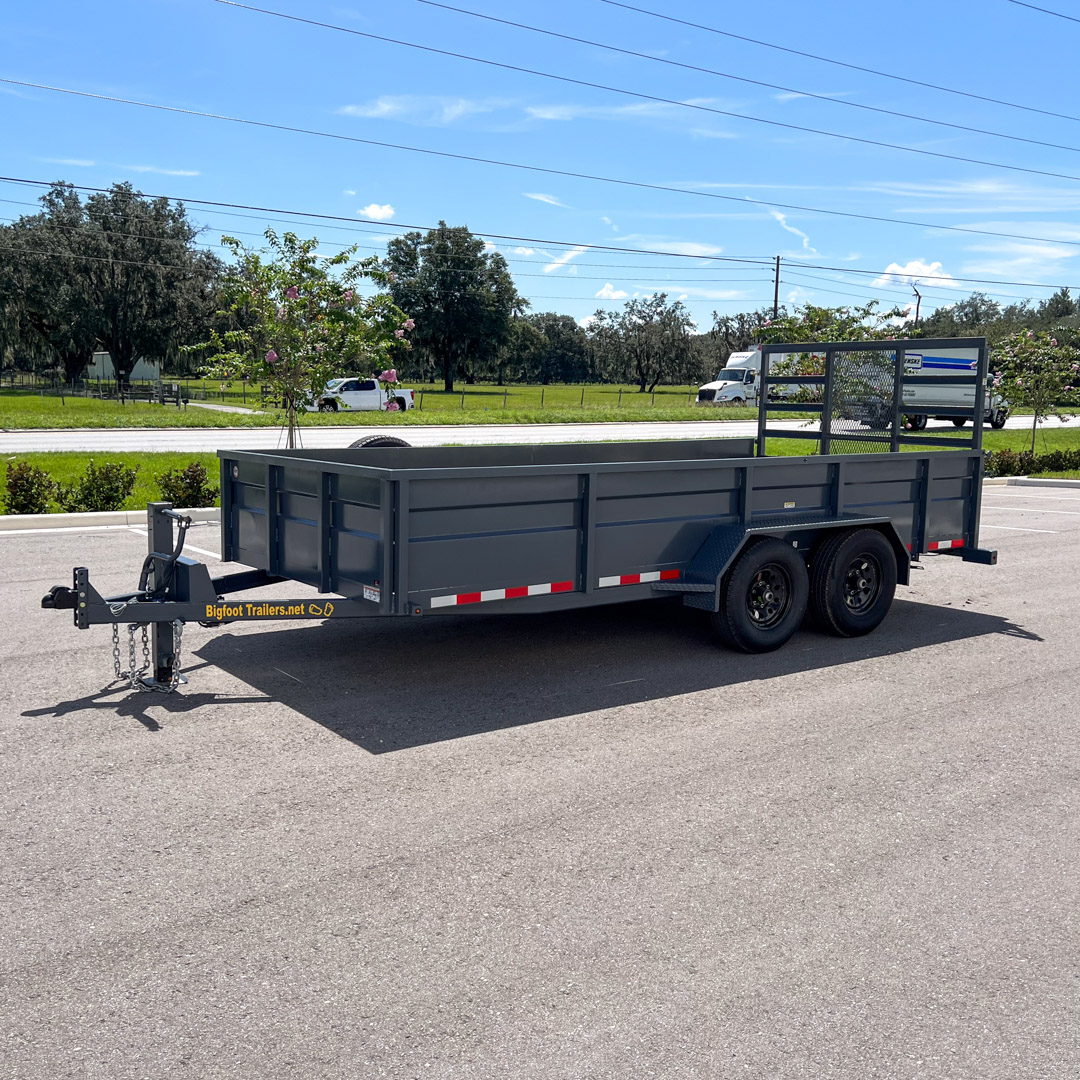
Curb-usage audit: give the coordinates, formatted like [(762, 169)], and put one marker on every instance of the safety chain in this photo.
[(136, 677)]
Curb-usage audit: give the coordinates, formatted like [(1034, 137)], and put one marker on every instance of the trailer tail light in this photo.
[(944, 545)]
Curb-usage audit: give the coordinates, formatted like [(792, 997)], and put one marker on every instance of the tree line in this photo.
[(123, 273)]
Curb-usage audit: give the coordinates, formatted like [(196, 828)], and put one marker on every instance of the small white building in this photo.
[(101, 367)]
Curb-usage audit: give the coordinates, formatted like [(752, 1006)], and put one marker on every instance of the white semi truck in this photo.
[(737, 384)]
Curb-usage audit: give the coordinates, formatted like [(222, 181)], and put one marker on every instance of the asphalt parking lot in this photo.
[(591, 845)]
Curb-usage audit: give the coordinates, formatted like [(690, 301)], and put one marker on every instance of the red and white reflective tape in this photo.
[(944, 545), (640, 579), (456, 599)]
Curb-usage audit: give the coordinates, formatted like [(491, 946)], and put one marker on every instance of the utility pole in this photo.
[(776, 291), (918, 304)]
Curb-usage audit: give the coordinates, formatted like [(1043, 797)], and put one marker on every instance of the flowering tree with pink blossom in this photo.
[(298, 320), (1032, 369)]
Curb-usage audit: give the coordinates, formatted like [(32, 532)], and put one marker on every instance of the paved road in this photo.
[(204, 440), (588, 845)]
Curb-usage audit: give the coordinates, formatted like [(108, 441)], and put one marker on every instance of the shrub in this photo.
[(29, 490), (101, 487), (1025, 463), (188, 487)]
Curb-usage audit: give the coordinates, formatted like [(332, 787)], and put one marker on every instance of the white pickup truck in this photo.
[(361, 395)]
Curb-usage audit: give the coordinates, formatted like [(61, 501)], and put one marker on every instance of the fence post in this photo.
[(421, 405), (542, 389), (583, 397), (653, 402), (463, 397), (619, 405), (505, 392)]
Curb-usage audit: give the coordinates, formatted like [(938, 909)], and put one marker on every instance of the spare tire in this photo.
[(378, 440)]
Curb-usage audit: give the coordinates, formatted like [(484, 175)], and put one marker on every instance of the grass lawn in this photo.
[(20, 409), (66, 467)]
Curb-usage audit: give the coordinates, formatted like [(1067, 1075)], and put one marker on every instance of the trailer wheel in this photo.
[(763, 597), (915, 421), (378, 440), (959, 421), (998, 418), (852, 582)]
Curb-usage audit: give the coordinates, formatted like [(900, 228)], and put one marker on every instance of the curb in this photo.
[(1030, 481), (95, 519)]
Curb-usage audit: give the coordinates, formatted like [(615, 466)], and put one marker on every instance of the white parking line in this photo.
[(1032, 510), (1016, 528), (1017, 495), (187, 547)]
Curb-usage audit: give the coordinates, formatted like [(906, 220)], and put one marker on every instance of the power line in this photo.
[(746, 199), (720, 74), (842, 63), (696, 107), (1045, 11), (547, 242)]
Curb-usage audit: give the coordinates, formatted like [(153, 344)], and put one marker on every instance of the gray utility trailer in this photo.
[(753, 540)]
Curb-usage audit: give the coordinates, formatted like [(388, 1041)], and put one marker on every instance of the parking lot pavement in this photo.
[(587, 845)]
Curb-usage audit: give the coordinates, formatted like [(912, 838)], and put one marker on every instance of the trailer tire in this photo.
[(852, 582), (378, 440), (959, 421), (915, 421), (763, 597)]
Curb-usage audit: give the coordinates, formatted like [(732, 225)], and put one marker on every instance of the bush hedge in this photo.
[(1025, 463)]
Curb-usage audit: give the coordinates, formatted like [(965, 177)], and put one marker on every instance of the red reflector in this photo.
[(520, 590), (468, 598), (629, 579), (669, 575), (562, 586)]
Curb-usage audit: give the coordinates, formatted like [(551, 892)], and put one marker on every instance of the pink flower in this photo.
[(1053, 341), (392, 406), (389, 376), (1030, 334), (319, 348), (348, 294), (293, 293), (409, 324), (281, 312), (399, 333), (271, 357)]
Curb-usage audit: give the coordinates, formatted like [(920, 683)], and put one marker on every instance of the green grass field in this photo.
[(67, 467), (20, 409)]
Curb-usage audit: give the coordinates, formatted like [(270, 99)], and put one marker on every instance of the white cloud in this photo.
[(348, 191), (159, 171), (911, 273), (376, 212), (586, 322), (782, 221), (712, 133), (524, 251), (564, 258), (551, 200), (645, 110), (421, 109), (681, 247), (490, 247), (609, 292), (795, 95), (75, 163)]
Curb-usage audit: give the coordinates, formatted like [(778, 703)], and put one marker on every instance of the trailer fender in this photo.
[(700, 584)]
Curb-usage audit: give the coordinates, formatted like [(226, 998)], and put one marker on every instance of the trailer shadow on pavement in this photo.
[(389, 685)]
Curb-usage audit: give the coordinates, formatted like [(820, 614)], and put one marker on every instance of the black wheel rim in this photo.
[(862, 583), (769, 596)]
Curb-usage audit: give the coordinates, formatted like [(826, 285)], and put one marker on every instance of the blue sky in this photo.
[(201, 55)]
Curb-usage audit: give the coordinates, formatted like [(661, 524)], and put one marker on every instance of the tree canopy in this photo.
[(117, 271), (461, 295)]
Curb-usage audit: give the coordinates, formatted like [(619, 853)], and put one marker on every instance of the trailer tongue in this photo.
[(755, 541)]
